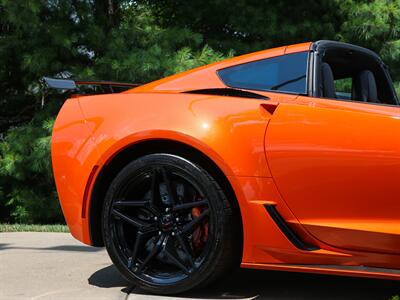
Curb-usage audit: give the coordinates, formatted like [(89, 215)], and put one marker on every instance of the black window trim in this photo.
[(317, 52), (268, 90), (356, 101)]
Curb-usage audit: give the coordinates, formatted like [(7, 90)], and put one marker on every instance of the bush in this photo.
[(28, 190), (85, 40)]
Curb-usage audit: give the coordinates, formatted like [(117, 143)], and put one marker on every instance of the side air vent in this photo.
[(287, 231), (229, 92)]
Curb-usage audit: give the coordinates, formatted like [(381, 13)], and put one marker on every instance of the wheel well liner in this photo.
[(137, 150)]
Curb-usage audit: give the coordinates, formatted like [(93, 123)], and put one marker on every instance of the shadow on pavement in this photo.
[(246, 283), (55, 248), (260, 284), (74, 248), (3, 246), (109, 277)]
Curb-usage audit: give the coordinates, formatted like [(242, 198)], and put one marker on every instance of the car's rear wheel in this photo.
[(168, 226)]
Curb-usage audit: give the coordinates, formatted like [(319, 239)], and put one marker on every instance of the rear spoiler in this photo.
[(73, 85)]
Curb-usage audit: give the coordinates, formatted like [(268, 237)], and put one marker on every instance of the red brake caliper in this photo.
[(200, 234)]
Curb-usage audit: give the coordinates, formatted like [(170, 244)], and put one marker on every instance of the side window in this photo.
[(343, 88), (357, 75), (286, 73)]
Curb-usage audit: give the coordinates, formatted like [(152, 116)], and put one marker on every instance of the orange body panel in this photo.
[(348, 177), (307, 157)]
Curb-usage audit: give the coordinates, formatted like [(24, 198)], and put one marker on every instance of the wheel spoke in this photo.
[(130, 203), (139, 204), (189, 205), (170, 251), (133, 221), (156, 249), (140, 238), (154, 194), (190, 226), (138, 241), (186, 248), (168, 184)]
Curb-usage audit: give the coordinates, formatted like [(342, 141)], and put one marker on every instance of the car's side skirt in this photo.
[(358, 271)]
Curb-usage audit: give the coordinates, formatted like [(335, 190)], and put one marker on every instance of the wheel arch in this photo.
[(141, 148)]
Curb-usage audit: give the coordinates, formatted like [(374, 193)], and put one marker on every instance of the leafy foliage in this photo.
[(114, 40), (375, 25), (249, 25), (26, 167), (139, 41), (142, 51)]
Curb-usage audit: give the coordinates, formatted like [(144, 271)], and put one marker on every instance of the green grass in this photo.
[(35, 228)]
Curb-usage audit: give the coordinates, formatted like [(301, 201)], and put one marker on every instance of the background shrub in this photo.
[(139, 41), (25, 169)]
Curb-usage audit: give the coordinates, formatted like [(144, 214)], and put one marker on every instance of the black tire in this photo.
[(158, 243)]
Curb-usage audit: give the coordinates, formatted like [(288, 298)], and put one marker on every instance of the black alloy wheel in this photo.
[(168, 226)]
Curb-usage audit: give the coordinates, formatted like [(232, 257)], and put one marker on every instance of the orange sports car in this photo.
[(284, 159)]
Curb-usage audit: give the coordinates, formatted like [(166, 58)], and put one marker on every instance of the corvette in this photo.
[(284, 159)]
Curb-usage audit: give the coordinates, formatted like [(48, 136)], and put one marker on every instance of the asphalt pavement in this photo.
[(55, 266)]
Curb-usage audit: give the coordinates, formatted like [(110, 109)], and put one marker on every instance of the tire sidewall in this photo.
[(216, 203)]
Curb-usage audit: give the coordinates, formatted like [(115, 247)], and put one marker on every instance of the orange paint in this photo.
[(330, 167), (87, 189)]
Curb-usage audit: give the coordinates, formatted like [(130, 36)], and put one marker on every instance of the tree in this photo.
[(250, 25), (375, 25), (109, 40), (139, 41)]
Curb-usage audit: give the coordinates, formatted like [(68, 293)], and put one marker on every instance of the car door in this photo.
[(337, 166)]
